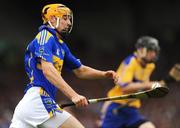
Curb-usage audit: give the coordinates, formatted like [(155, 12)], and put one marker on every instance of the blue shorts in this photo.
[(126, 117)]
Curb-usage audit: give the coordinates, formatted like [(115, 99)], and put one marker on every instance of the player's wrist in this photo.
[(110, 74), (147, 85), (73, 96)]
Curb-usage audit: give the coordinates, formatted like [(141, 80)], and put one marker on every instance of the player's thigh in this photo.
[(61, 120), (71, 122), (147, 125)]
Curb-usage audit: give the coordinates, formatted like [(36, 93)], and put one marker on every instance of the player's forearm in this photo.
[(85, 72), (55, 78), (136, 86)]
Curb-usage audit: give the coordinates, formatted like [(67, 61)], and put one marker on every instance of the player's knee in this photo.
[(147, 125)]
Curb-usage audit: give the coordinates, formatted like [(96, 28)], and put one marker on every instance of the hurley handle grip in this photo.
[(90, 101), (67, 105)]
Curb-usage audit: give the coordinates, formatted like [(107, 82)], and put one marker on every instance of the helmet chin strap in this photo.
[(63, 34), (57, 23)]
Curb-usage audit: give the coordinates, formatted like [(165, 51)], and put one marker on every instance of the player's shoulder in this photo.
[(130, 59), (44, 36)]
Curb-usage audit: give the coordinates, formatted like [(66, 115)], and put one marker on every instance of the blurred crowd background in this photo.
[(104, 33)]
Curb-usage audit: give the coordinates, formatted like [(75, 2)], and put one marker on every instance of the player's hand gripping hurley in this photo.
[(157, 91)]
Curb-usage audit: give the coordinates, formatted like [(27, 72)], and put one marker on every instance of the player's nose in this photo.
[(69, 22)]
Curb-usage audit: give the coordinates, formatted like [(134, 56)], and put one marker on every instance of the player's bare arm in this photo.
[(55, 78), (85, 72), (136, 86)]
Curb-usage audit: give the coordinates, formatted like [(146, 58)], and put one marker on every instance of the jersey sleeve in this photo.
[(71, 62), (126, 72), (43, 46)]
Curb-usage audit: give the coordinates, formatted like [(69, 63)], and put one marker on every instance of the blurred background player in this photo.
[(44, 59), (134, 75)]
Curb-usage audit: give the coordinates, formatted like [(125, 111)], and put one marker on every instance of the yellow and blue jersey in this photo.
[(48, 47), (130, 70)]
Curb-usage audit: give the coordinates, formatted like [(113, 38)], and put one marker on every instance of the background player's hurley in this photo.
[(157, 91), (173, 76)]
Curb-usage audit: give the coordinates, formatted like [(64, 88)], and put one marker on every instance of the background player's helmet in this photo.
[(149, 43), (57, 10)]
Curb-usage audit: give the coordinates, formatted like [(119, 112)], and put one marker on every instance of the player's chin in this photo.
[(66, 30)]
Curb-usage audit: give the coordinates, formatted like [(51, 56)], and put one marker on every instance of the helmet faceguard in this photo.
[(57, 10), (147, 43)]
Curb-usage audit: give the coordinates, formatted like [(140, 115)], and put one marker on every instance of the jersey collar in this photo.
[(51, 30)]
